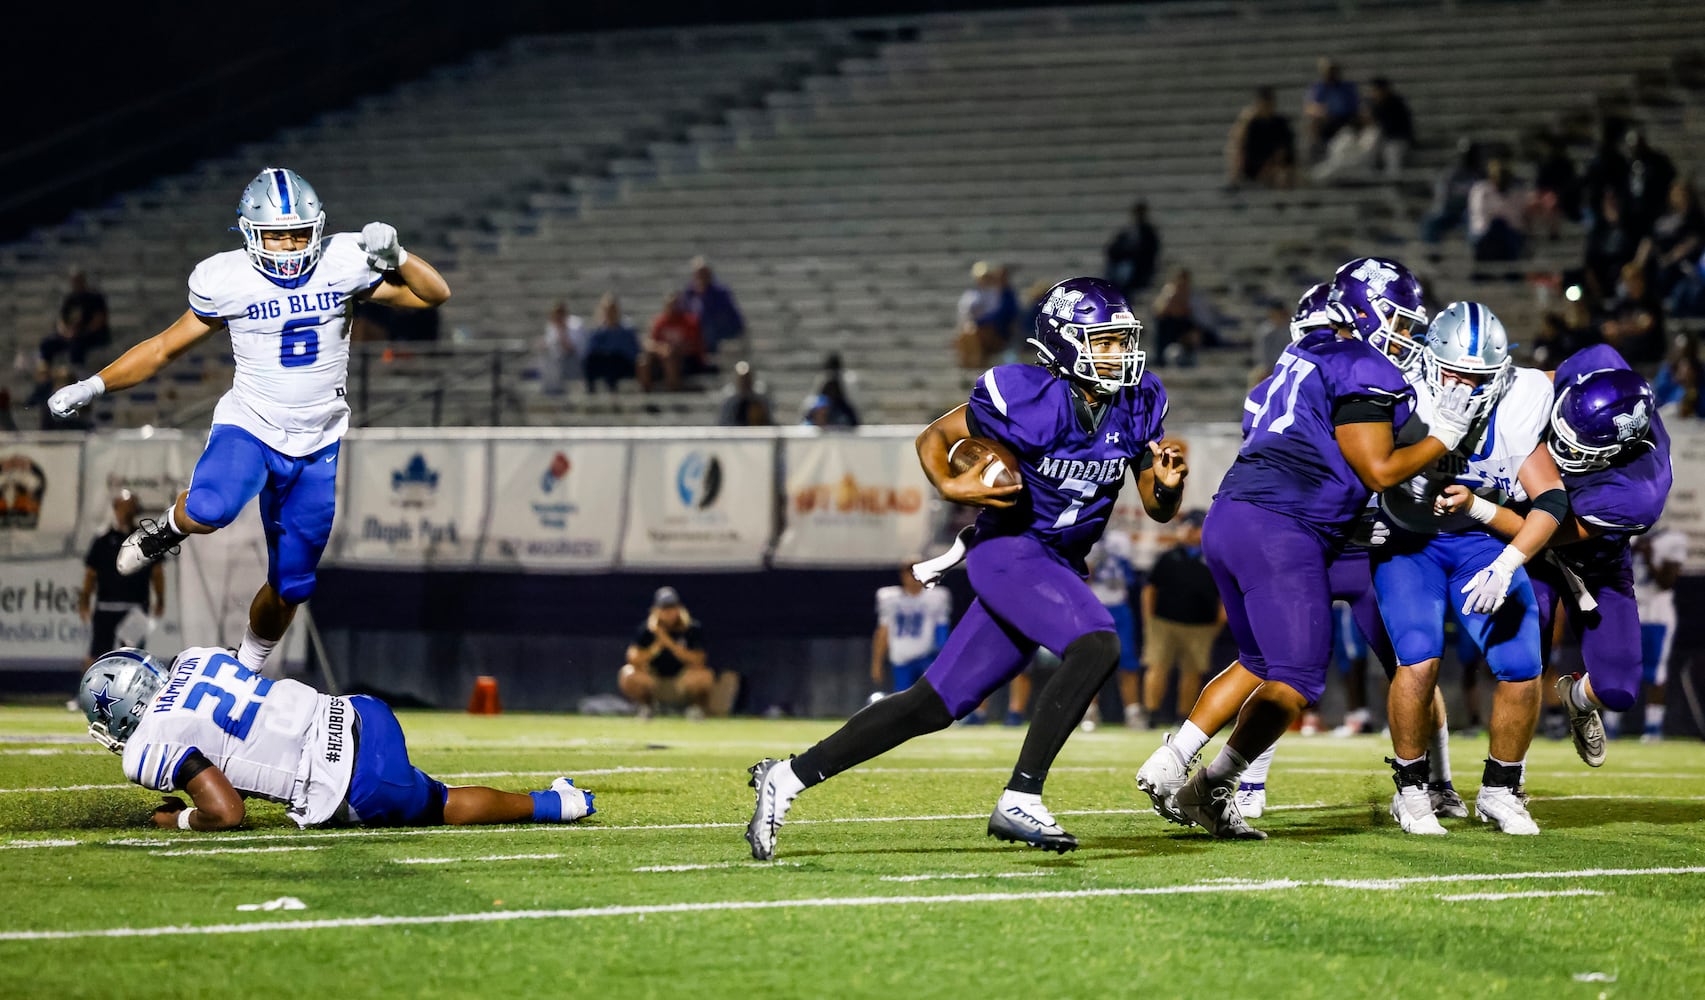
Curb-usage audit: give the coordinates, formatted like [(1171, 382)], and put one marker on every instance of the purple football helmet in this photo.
[(1382, 300), (1074, 311), (1597, 416), (1311, 314)]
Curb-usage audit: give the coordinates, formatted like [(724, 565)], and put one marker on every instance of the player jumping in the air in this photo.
[(286, 298), (1077, 424), (211, 727), (1613, 452), (1441, 561)]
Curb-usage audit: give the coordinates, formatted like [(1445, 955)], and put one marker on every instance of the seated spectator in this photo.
[(1497, 216), (1611, 243), (674, 349), (611, 348), (1606, 169), (81, 299), (1135, 250), (1677, 238), (1261, 148), (1351, 153), (976, 342), (830, 405), (1687, 298), (719, 318), (1001, 320), (1556, 190), (1450, 192), (1676, 386), (745, 401), (1646, 190), (1390, 114), (564, 343), (1633, 319), (1333, 102), (1182, 324), (666, 664)]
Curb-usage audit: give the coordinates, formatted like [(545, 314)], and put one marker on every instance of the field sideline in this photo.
[(885, 883)]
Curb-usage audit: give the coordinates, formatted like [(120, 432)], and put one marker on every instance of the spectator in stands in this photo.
[(1607, 169), (666, 663), (1390, 114), (565, 342), (1556, 190), (745, 402), (1676, 386), (674, 349), (976, 342), (81, 299), (1261, 148), (1132, 255), (1677, 238), (1352, 153), (1687, 298), (611, 348), (1182, 323), (1646, 192), (719, 318), (1333, 102), (1450, 192), (1611, 243), (1182, 615), (1633, 318), (830, 405), (59, 356), (1000, 320), (1497, 216)]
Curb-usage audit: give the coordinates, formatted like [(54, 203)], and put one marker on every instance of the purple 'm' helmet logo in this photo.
[(1072, 313), (1312, 312), (1382, 300), (1597, 416)]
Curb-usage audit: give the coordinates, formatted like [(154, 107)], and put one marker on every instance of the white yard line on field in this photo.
[(503, 916), (230, 850), (485, 857), (1468, 897), (64, 788), (961, 875), (15, 845), (718, 864)]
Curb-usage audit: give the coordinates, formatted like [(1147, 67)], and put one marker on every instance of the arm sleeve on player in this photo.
[(194, 762), (1363, 410), (1554, 503)]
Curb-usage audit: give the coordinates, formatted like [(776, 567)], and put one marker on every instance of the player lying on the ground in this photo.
[(1076, 425), (211, 727), (286, 298), (1613, 453)]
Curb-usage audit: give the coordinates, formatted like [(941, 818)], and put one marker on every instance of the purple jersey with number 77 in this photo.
[(1073, 459), (1290, 461)]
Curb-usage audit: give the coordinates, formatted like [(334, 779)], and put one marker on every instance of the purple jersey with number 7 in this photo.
[(1290, 462), (1073, 459)]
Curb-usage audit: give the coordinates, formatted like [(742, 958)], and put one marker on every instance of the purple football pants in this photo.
[(1272, 575), (1027, 596), (1350, 577), (1609, 636)]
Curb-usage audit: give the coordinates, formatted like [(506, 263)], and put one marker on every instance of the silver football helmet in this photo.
[(116, 690), (279, 200), (1467, 342)]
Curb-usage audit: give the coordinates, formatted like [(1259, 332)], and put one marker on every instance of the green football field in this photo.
[(885, 884)]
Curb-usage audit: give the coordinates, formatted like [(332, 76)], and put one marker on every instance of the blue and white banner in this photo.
[(555, 505), (700, 504), (410, 502)]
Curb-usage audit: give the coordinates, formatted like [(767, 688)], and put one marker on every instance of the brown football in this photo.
[(971, 452)]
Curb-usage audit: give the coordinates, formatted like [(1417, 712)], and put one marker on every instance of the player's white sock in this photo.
[(1438, 756), (1406, 761), (254, 650), (1578, 697), (1256, 773), (171, 519), (1189, 740), (1226, 766), (1654, 718)]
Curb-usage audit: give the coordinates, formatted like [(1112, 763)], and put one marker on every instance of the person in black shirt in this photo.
[(666, 661), (107, 595), (1132, 255), (1182, 616)]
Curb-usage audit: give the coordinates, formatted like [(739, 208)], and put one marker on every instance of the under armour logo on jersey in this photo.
[(1112, 437), (1630, 426), (1375, 274), (1063, 303)]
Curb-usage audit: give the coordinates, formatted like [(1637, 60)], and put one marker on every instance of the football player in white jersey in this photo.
[(286, 297), (209, 726), (911, 625), (1658, 560), (1440, 562)]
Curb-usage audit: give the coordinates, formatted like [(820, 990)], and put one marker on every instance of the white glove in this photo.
[(384, 253), (1378, 533), (1451, 414), (75, 396), (1486, 592)]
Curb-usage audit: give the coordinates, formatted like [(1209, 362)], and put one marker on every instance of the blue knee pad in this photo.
[(230, 472), (1411, 589)]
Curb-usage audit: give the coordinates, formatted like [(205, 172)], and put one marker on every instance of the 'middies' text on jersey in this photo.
[(1627, 498), (277, 740), (291, 344), (1073, 460), (1290, 461), (1488, 461)]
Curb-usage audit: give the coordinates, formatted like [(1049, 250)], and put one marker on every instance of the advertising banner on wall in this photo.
[(1209, 449), (699, 504), (156, 469), (853, 501), (40, 627), (410, 502), (38, 498), (555, 505)]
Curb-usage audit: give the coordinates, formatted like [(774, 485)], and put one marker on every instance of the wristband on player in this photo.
[(1482, 510), (1166, 495), (183, 818)]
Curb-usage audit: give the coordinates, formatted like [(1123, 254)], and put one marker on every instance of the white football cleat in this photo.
[(1024, 819), (576, 802), (1447, 804), (1214, 808), (1412, 808), (1506, 808), (1161, 776), (147, 545), (776, 786), (1586, 728), (1251, 800)]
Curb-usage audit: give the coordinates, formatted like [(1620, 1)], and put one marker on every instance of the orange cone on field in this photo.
[(484, 699)]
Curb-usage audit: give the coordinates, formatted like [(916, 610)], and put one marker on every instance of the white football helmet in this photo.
[(279, 200), (1467, 341), (116, 690)]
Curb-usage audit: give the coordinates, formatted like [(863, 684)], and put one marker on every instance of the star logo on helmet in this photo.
[(1375, 275), (1631, 426), (104, 701)]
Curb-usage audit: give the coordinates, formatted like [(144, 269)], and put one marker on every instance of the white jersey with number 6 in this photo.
[(291, 344), (276, 740)]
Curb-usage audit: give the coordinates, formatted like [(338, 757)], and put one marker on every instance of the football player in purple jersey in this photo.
[(1079, 423), (1320, 444), (1613, 452)]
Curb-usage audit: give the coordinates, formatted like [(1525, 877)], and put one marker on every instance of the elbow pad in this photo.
[(1554, 503)]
